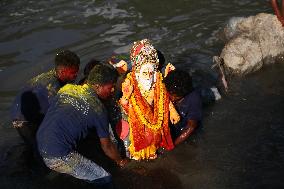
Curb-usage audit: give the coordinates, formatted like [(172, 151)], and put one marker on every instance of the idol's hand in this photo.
[(174, 116), (127, 89), (169, 68), (121, 66)]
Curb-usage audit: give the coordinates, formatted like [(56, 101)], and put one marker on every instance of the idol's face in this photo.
[(146, 72), (146, 76)]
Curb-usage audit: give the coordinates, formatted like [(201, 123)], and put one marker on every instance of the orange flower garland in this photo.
[(149, 128)]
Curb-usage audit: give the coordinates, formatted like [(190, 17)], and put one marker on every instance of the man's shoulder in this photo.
[(76, 90), (43, 78), (193, 96), (82, 94)]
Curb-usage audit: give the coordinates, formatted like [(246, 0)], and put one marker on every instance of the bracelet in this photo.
[(124, 98), (119, 162)]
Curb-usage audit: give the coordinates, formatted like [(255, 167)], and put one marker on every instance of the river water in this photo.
[(241, 143)]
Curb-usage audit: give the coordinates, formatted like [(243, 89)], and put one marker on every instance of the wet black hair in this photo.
[(89, 66), (178, 82), (66, 58), (161, 58), (102, 74)]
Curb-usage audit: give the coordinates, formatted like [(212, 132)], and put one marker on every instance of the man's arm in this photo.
[(111, 151), (191, 125)]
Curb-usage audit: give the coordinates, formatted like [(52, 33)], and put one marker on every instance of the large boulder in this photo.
[(252, 42)]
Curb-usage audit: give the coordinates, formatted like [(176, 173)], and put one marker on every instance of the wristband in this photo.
[(119, 162)]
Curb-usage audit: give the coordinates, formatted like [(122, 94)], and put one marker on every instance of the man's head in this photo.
[(103, 78), (89, 66), (178, 84), (162, 60), (66, 66)]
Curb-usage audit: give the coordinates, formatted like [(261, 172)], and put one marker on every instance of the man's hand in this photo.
[(191, 125), (123, 162), (111, 151)]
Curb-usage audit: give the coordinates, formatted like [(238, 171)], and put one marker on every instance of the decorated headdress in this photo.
[(143, 52)]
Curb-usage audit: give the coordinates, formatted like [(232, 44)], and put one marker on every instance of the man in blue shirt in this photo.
[(75, 110), (187, 102), (32, 102)]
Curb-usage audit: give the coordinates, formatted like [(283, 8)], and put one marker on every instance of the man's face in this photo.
[(105, 91), (146, 76), (174, 98), (67, 74)]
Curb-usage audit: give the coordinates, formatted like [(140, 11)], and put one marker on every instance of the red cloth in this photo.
[(122, 129), (143, 136)]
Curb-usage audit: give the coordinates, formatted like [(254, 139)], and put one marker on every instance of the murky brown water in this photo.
[(241, 143)]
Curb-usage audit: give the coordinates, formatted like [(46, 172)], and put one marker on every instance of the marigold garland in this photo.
[(153, 120), (148, 125)]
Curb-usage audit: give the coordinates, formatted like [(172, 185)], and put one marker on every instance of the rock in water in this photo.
[(252, 42)]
